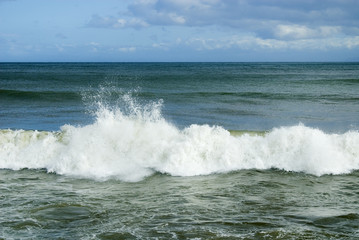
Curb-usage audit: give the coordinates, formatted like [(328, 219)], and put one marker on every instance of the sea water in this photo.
[(179, 150)]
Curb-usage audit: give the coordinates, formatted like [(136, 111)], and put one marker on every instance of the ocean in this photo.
[(179, 150)]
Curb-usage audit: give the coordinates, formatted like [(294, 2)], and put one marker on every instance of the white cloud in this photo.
[(127, 49), (256, 43), (95, 46), (268, 20), (294, 31), (115, 23), (296, 19), (163, 46), (176, 18), (351, 42), (135, 22), (63, 47), (303, 32)]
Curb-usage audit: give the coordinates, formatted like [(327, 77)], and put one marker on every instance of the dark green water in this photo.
[(179, 150), (241, 205)]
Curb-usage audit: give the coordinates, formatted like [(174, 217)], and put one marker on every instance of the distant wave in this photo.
[(48, 96), (130, 145), (249, 96)]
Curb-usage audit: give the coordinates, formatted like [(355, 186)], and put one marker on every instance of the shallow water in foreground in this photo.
[(248, 204)]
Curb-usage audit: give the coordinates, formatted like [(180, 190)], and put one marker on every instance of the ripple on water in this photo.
[(62, 212)]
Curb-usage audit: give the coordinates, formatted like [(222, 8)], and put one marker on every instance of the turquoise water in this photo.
[(179, 150)]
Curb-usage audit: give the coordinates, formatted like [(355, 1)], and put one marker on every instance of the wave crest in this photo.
[(130, 145)]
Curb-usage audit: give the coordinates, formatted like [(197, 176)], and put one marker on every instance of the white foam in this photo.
[(132, 146)]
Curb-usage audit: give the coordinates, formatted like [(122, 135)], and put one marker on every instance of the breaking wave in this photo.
[(136, 141)]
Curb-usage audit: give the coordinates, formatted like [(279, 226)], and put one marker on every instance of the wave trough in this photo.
[(131, 145)]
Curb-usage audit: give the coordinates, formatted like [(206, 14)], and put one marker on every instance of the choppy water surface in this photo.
[(179, 151), (247, 204)]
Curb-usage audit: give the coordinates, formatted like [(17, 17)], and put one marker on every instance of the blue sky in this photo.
[(179, 30)]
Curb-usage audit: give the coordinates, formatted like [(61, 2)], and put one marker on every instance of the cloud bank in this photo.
[(180, 30), (272, 24), (265, 18)]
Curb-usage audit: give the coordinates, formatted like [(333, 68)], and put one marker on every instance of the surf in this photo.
[(135, 141)]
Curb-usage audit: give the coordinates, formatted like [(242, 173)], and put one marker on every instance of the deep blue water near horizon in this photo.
[(237, 96), (179, 150)]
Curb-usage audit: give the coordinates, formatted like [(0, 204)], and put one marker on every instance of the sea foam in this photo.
[(130, 145)]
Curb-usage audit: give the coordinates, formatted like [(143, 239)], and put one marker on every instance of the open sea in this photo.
[(179, 150)]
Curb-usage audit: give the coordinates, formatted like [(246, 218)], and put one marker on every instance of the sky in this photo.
[(179, 30)]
